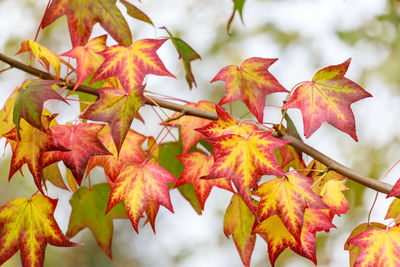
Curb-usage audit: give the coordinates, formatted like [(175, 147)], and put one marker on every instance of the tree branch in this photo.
[(317, 155)]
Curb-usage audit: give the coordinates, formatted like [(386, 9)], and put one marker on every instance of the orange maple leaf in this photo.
[(250, 82), (226, 124), (189, 124), (245, 159), (288, 197), (379, 247), (30, 148), (131, 64), (137, 184), (29, 225), (87, 57), (197, 165), (329, 186), (327, 98), (131, 151)]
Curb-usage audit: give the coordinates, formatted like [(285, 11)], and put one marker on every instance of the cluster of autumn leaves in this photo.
[(275, 194)]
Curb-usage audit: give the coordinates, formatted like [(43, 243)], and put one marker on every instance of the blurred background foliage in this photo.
[(306, 36)]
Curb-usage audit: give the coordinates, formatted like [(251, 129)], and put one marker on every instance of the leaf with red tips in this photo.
[(131, 151), (250, 82), (82, 15), (289, 157), (87, 58), (88, 211), (137, 184), (379, 247), (29, 225), (46, 56), (329, 186), (226, 124), (288, 197), (189, 124), (354, 250), (82, 141), (197, 165), (327, 98), (136, 13), (314, 221), (277, 236), (132, 64), (245, 159), (238, 222), (30, 148), (395, 190), (187, 54), (118, 108), (30, 100)]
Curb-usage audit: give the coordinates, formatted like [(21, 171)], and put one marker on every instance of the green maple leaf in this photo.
[(88, 211)]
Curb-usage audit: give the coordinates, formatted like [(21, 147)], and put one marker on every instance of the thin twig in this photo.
[(317, 155)]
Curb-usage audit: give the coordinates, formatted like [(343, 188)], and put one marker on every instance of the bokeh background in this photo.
[(306, 36)]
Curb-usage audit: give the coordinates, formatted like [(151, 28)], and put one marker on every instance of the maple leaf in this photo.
[(327, 98), (118, 108), (329, 186), (226, 124), (137, 184), (395, 190), (87, 58), (245, 159), (289, 157), (131, 64), (278, 237), (46, 56), (187, 54), (288, 197), (6, 113), (238, 222), (52, 174), (82, 142), (197, 165), (151, 210), (394, 210), (29, 225), (136, 13), (189, 124), (131, 151), (83, 15), (30, 148), (315, 220), (88, 211), (379, 247), (354, 251), (30, 100), (250, 82), (237, 6), (167, 158)]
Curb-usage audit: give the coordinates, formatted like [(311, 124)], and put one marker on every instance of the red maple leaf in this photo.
[(197, 165), (327, 98), (83, 143), (83, 15), (250, 82)]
